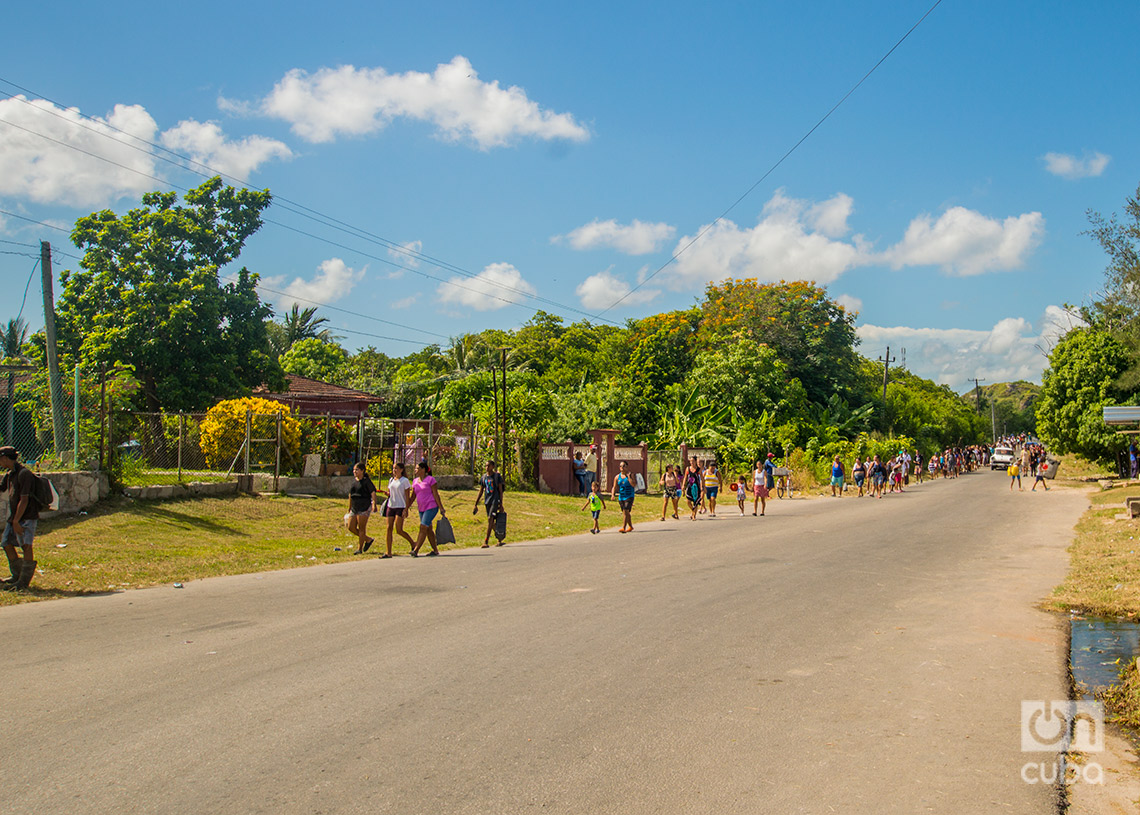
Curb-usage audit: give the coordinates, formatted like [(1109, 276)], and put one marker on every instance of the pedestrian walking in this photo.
[(859, 473), (399, 495), (361, 505), (624, 491), (836, 477), (712, 486), (425, 494), (596, 503), (671, 485), (1014, 473), (491, 488), (23, 517), (759, 488), (741, 488)]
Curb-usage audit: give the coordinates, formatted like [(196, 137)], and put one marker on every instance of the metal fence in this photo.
[(162, 448)]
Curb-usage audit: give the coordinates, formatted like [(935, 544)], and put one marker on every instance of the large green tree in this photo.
[(148, 295), (1081, 379)]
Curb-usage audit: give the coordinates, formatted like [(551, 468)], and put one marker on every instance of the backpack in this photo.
[(43, 491)]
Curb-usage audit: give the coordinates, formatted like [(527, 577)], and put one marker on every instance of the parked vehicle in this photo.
[(1002, 458)]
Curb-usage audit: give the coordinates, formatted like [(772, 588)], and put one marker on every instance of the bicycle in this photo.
[(783, 481)]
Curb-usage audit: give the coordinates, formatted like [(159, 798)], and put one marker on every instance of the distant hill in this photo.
[(1013, 403)]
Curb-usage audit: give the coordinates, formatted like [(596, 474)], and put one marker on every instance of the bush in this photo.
[(223, 432)]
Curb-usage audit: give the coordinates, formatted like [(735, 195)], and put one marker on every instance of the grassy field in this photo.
[(125, 544), (1104, 565)]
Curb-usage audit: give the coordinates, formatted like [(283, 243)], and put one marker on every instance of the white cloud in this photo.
[(852, 304), (497, 286), (830, 217), (205, 143), (406, 255), (638, 238), (56, 172), (1013, 349), (333, 281), (406, 302), (358, 101), (1071, 167), (964, 242), (602, 290), (792, 241)]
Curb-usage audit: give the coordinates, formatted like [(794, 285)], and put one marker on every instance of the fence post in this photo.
[(75, 423), (328, 429), (248, 435), (431, 429), (277, 463), (181, 435), (102, 416), (471, 441), (359, 438)]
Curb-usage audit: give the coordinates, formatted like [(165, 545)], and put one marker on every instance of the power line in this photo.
[(773, 168), (290, 206)]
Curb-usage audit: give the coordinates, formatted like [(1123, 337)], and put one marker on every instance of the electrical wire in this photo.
[(773, 168), (185, 162), (27, 286)]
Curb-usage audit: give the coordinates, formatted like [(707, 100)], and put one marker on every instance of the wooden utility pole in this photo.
[(52, 356), (978, 392), (887, 360)]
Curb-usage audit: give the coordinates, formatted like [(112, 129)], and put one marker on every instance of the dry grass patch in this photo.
[(1104, 561)]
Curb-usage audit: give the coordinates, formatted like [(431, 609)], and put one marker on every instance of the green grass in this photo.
[(1074, 468), (1104, 560), (125, 544)]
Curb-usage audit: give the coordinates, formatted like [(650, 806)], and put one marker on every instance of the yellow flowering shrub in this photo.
[(223, 431)]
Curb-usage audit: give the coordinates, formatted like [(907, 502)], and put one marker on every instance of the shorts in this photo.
[(428, 515), (393, 512), (878, 480), (859, 479), (837, 481), (760, 491), (594, 513), (626, 504), (670, 492), (364, 513), (10, 537), (710, 492), (492, 509)]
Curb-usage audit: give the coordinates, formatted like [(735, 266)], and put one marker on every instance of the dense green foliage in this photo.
[(1098, 364), (148, 296)]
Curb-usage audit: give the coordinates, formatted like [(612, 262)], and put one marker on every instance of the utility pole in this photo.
[(52, 356), (978, 392), (506, 415), (887, 360), (993, 421)]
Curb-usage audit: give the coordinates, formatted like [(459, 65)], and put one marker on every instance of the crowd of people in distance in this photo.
[(702, 485)]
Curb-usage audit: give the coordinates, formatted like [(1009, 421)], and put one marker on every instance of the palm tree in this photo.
[(299, 324)]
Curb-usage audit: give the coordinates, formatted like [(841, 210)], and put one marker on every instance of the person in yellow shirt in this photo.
[(1014, 475)]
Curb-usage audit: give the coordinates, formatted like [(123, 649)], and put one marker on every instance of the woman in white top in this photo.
[(398, 492)]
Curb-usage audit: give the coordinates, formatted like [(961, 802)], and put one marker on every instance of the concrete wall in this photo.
[(194, 489), (77, 491)]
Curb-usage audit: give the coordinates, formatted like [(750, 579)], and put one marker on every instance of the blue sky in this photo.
[(555, 156)]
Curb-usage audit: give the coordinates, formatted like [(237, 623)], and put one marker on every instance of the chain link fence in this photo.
[(165, 448), (69, 435)]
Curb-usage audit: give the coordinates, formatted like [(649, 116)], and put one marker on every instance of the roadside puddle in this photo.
[(1098, 649)]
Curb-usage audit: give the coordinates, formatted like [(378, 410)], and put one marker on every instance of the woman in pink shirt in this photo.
[(425, 494)]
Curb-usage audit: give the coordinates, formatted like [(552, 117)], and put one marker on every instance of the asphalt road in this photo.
[(835, 656)]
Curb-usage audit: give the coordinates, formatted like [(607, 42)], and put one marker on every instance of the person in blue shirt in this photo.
[(623, 490)]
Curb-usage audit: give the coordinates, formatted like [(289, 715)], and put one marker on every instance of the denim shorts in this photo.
[(29, 527), (428, 515)]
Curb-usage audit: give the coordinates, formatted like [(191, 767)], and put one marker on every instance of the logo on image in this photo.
[(1062, 727)]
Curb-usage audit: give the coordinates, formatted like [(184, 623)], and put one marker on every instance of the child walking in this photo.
[(596, 503), (741, 493)]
